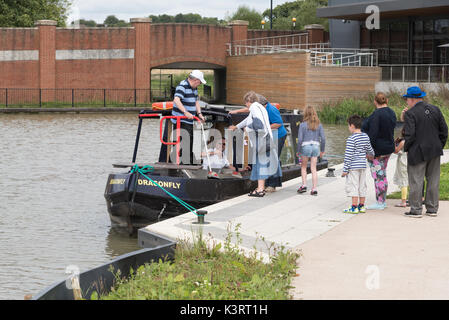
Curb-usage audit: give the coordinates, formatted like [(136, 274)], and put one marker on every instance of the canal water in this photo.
[(53, 171)]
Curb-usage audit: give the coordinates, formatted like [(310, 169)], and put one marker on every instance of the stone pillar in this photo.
[(316, 33), (239, 34), (142, 65), (47, 58)]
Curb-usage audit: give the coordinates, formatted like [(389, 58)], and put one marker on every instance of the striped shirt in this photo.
[(188, 97), (357, 147)]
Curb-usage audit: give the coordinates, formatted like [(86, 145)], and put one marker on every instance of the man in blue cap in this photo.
[(425, 136)]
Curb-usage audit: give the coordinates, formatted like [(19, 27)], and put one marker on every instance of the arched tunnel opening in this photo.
[(164, 80)]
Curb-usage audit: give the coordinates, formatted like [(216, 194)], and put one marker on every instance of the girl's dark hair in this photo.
[(355, 120)]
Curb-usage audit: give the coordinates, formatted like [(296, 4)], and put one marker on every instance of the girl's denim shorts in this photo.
[(310, 150)]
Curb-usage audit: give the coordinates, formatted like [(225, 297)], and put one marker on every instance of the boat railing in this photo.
[(152, 115)]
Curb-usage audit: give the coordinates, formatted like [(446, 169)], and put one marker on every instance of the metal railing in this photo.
[(320, 53), (289, 43), (325, 57), (415, 72), (56, 98)]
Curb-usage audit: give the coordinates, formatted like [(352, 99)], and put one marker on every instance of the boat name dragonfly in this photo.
[(163, 184)]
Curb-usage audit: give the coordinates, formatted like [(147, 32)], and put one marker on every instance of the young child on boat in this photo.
[(216, 157), (358, 148)]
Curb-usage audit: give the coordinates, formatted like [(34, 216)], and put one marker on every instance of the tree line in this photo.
[(23, 13)]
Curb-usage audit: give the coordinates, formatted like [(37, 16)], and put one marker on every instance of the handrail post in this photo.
[(136, 146), (73, 98), (403, 73), (104, 98), (428, 75), (40, 97), (6, 97)]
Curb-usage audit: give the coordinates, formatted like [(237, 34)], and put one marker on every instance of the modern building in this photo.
[(412, 39)]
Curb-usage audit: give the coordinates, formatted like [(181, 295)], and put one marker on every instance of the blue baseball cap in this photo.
[(414, 92)]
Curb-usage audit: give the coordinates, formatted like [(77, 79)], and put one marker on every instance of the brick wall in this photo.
[(171, 43), (95, 73), (121, 58), (256, 34), (21, 73)]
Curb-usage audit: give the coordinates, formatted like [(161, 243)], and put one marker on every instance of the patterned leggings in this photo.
[(378, 167)]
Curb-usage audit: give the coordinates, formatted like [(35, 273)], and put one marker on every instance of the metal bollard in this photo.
[(330, 172), (201, 214)]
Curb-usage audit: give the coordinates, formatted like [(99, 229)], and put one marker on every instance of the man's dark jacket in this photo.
[(425, 133)]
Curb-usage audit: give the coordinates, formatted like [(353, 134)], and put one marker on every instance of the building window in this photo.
[(424, 47), (399, 42), (442, 28)]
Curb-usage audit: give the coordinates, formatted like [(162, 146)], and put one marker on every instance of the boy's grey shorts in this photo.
[(356, 183)]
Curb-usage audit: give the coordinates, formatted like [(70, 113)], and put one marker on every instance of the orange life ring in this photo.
[(277, 105), (166, 105)]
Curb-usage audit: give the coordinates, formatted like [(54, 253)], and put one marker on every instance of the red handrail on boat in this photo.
[(161, 132)]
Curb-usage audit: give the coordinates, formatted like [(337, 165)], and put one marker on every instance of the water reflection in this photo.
[(119, 242)]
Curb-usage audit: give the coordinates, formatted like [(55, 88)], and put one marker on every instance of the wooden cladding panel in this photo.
[(279, 77), (334, 83)]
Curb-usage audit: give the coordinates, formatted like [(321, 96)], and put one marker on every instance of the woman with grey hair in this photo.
[(265, 161)]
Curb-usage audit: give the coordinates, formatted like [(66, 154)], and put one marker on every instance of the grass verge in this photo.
[(444, 185), (217, 273)]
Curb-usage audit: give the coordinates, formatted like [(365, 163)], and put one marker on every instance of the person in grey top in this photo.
[(311, 144)]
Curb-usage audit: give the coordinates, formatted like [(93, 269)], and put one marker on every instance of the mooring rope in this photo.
[(149, 169)]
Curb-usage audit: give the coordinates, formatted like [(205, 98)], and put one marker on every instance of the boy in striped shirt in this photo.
[(358, 148)]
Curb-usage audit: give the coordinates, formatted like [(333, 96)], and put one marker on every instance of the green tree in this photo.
[(113, 21), (24, 13), (87, 23), (188, 18), (303, 10), (164, 18), (185, 18), (245, 13)]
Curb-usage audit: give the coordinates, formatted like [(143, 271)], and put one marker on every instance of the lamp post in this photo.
[(262, 23), (271, 15), (294, 23)]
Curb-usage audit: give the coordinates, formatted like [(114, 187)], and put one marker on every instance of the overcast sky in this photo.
[(98, 10)]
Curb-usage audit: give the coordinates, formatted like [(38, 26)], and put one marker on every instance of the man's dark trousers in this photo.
[(431, 171)]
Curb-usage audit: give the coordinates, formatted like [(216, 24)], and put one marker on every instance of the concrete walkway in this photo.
[(378, 255), (336, 248)]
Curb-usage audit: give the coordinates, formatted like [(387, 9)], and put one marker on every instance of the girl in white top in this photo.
[(216, 157)]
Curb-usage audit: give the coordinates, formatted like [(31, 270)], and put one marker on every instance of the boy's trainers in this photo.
[(362, 209), (353, 210), (302, 189), (376, 206)]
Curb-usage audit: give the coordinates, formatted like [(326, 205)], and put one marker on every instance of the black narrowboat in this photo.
[(135, 199)]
